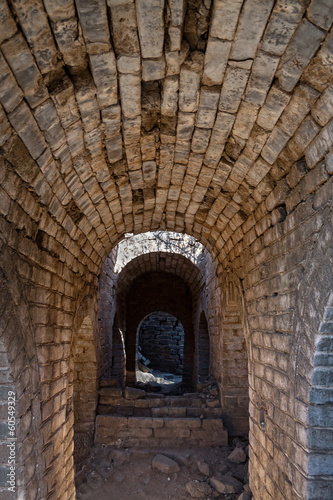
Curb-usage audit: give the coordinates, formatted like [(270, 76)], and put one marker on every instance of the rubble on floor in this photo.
[(176, 474)]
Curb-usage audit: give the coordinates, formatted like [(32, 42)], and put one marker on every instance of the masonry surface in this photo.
[(212, 120)]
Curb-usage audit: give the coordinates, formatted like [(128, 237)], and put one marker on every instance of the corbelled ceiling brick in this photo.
[(125, 116)]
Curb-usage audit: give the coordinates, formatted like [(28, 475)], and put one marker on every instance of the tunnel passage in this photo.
[(156, 291), (159, 281)]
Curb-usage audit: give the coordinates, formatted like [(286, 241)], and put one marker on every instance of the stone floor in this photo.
[(145, 474)]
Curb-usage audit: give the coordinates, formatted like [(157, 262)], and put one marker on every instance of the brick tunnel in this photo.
[(210, 121)]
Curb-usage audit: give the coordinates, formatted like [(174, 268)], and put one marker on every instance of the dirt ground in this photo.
[(112, 474)]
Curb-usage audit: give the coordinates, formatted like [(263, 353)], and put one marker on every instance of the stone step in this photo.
[(125, 431), (164, 411), (114, 396)]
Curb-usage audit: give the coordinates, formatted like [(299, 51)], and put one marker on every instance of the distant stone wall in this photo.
[(161, 338)]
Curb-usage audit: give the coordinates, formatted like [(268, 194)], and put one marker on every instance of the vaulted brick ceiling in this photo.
[(125, 116)]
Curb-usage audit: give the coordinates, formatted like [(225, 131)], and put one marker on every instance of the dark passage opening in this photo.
[(160, 350)]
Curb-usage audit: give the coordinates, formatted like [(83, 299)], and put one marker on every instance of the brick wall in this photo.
[(286, 273), (161, 338)]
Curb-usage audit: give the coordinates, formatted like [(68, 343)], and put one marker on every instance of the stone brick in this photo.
[(320, 14), (216, 57), (104, 72), (150, 27), (274, 105), (282, 25), (322, 111), (245, 120), (262, 74), (124, 26), (301, 50), (234, 84), (250, 29)]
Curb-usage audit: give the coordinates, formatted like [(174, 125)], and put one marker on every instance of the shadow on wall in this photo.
[(235, 382), (84, 388), (118, 363), (203, 349)]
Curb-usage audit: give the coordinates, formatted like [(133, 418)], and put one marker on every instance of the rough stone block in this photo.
[(150, 27), (165, 464), (134, 393), (275, 144), (282, 24), (130, 94), (7, 22), (320, 146), (322, 111), (10, 93), (198, 490), (234, 84), (189, 90), (104, 71), (124, 27), (94, 22), (302, 47), (274, 105), (172, 63), (237, 456), (153, 69), (245, 119), (262, 74), (182, 423), (225, 18), (26, 127), (26, 72), (169, 103), (215, 63), (250, 28), (320, 13)]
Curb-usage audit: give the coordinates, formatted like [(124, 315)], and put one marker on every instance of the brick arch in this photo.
[(227, 133), (160, 291), (164, 262)]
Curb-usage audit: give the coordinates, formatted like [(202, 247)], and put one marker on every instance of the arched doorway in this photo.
[(160, 351)]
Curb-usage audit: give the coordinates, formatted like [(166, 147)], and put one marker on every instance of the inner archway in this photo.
[(160, 351)]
